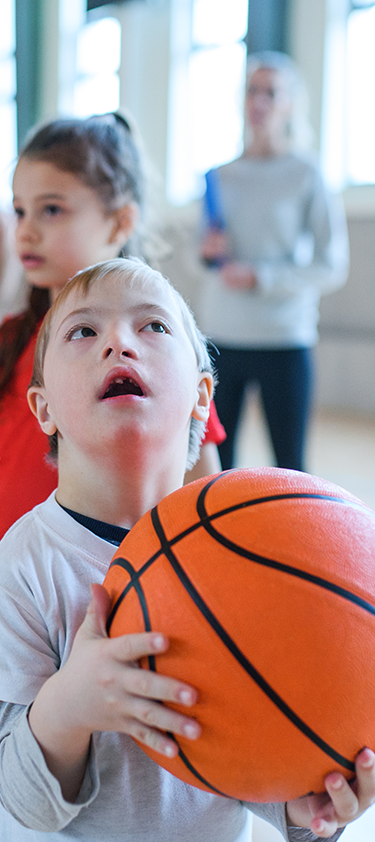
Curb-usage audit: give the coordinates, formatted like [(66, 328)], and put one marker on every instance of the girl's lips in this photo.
[(31, 261)]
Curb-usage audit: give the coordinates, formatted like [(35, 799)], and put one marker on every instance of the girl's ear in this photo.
[(39, 407), (125, 222), (205, 390)]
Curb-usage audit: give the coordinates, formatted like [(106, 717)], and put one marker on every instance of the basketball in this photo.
[(263, 580)]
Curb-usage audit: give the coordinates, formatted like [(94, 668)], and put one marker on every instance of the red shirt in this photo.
[(214, 429), (25, 477)]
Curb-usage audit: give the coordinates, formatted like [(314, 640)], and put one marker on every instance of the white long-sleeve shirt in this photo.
[(282, 221)]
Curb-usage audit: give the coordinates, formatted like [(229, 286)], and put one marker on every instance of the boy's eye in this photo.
[(156, 327), (81, 332)]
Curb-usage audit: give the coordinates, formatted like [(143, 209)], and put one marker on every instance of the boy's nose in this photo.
[(126, 352), (120, 344)]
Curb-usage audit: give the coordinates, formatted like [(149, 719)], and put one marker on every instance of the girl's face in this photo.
[(268, 102), (62, 225)]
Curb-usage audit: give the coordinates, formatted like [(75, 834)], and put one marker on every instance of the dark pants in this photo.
[(285, 381)]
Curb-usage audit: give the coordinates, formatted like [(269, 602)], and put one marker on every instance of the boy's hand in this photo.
[(114, 694), (102, 688), (342, 803)]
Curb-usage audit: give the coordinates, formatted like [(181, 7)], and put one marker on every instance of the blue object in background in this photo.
[(214, 211)]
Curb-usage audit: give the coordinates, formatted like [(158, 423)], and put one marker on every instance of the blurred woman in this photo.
[(278, 241)]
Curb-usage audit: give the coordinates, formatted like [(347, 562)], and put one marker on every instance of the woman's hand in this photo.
[(214, 246), (238, 276)]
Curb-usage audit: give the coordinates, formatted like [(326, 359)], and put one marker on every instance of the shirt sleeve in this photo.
[(327, 270), (275, 815), (28, 790)]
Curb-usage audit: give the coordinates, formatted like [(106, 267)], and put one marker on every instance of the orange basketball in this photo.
[(264, 581)]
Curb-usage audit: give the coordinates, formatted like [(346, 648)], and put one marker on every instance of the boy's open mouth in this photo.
[(122, 386)]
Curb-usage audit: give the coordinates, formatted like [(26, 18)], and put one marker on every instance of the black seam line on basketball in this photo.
[(239, 656), (192, 769), (135, 583), (205, 520)]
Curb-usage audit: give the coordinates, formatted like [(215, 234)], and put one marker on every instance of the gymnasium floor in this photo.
[(342, 450)]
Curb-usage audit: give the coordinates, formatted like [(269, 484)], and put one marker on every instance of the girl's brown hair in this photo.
[(101, 151)]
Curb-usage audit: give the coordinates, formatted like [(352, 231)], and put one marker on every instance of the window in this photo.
[(360, 114), (208, 68), (8, 122), (97, 86), (89, 60)]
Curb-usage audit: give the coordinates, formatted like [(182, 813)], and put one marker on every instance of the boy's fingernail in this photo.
[(191, 730), (368, 760), (336, 783), (187, 697), (318, 826), (169, 751), (158, 642)]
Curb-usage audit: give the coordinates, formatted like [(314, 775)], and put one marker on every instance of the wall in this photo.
[(346, 352)]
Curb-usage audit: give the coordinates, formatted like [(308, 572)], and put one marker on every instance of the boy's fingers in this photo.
[(152, 739), (343, 797), (132, 647), (144, 683), (97, 612), (365, 770), (323, 827), (158, 716)]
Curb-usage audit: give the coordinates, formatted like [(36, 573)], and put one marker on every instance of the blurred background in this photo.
[(178, 66)]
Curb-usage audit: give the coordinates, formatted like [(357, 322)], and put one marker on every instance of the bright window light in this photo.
[(206, 93), (360, 128), (216, 105), (217, 22), (8, 111), (97, 94), (7, 29), (99, 47), (97, 88)]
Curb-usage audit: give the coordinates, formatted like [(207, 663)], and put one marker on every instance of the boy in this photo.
[(122, 379)]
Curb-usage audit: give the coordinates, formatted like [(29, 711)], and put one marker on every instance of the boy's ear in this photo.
[(39, 407), (205, 390), (125, 222)]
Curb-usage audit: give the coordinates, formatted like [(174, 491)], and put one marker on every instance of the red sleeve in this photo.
[(214, 429)]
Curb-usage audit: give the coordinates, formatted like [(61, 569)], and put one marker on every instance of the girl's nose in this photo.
[(26, 230)]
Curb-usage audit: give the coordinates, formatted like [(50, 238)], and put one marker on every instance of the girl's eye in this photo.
[(19, 213), (81, 333), (52, 210), (156, 327)]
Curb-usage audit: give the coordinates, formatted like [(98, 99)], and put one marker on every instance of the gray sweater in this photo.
[(281, 220)]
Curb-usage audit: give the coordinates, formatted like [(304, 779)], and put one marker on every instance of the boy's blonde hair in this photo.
[(130, 270)]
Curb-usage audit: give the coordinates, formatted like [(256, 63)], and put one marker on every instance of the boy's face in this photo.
[(119, 367)]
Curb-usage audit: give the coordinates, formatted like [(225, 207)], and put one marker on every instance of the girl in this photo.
[(78, 197), (280, 242)]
